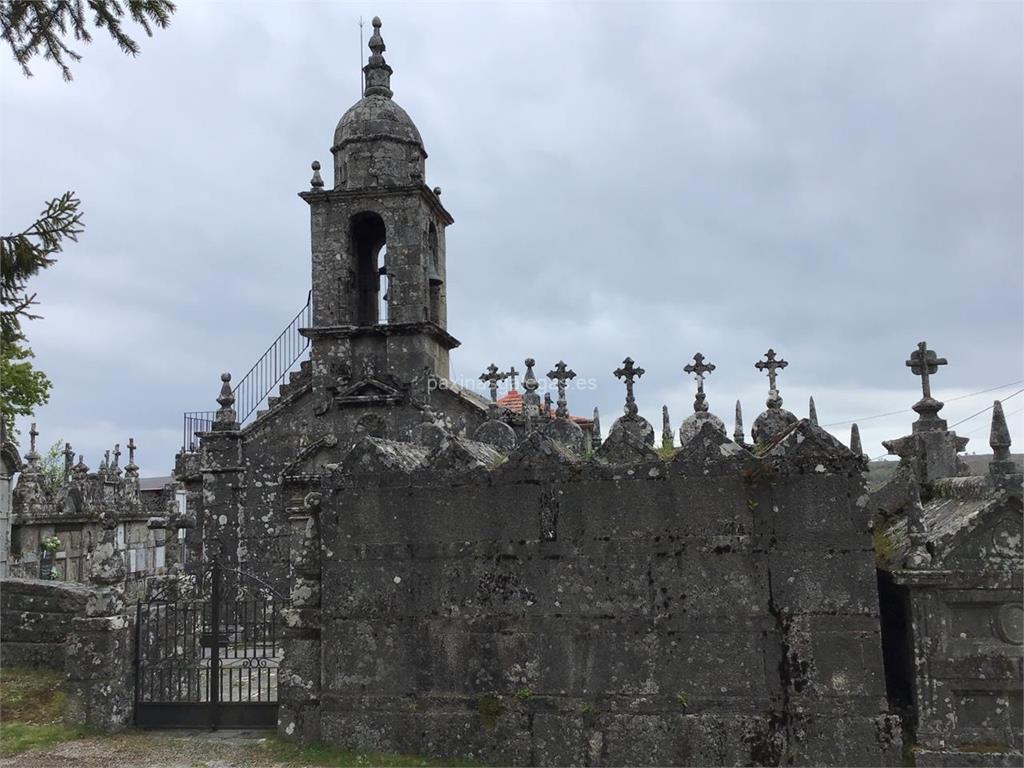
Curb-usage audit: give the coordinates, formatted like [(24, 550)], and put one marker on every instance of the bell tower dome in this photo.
[(378, 242)]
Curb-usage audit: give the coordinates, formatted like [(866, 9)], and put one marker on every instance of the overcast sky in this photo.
[(837, 180)]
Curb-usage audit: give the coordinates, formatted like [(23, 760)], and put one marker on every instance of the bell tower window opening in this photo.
[(385, 288), (368, 239), (434, 280)]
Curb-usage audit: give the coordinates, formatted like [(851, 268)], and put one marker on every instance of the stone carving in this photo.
[(560, 374), (629, 373), (492, 376), (775, 420), (701, 415)]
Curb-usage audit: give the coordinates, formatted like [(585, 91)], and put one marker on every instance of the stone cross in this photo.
[(771, 364), (701, 369), (492, 376), (561, 374), (132, 468), (33, 433), (512, 374), (923, 363), (117, 456), (629, 373)]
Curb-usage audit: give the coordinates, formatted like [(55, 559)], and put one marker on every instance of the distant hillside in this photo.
[(880, 471)]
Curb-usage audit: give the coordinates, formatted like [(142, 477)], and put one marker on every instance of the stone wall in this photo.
[(714, 609), (35, 620)]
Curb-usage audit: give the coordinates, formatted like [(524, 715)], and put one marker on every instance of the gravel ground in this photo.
[(179, 749)]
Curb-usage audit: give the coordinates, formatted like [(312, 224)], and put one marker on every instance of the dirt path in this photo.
[(180, 749)]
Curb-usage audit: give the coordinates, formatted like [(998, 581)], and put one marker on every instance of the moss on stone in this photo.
[(490, 708)]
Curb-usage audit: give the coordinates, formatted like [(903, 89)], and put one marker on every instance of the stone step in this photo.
[(284, 390), (294, 376), (272, 401), (305, 366)]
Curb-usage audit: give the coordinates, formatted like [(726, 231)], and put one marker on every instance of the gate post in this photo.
[(299, 682), (99, 655)]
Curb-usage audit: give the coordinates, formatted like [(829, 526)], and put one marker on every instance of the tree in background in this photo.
[(22, 256), (42, 27)]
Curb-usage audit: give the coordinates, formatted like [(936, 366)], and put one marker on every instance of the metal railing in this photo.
[(252, 390)]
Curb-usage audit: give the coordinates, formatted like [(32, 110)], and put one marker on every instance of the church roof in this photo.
[(513, 401), (376, 116), (373, 118)]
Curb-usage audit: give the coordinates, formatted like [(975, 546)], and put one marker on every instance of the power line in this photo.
[(973, 415), (909, 410), (984, 410), (979, 429)]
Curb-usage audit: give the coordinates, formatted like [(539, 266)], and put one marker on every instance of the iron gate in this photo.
[(208, 659)]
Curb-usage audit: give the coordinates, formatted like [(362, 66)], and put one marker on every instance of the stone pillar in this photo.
[(221, 469), (299, 682), (98, 657), (10, 463)]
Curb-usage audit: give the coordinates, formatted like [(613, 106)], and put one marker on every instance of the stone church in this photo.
[(494, 580)]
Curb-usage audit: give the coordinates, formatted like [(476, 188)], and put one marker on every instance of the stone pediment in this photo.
[(368, 391), (992, 536), (373, 455), (312, 458)]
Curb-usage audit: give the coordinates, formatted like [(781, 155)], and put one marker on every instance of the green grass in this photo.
[(32, 710), (320, 755), (18, 737)]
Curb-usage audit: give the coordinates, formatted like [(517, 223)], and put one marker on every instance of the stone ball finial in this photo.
[(376, 22), (316, 182), (437, 191)]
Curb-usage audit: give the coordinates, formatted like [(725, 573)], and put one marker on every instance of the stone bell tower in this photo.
[(378, 240)]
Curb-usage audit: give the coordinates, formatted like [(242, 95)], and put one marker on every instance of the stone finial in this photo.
[(491, 377), (812, 412), (81, 469), (531, 400), (316, 182), (32, 457), (69, 460), (115, 465), (560, 374), (226, 417), (629, 373), (737, 433), (105, 464), (377, 71), (700, 369), (923, 362), (596, 430), (512, 374), (772, 365), (131, 469), (547, 403), (666, 429), (775, 420), (999, 441), (855, 446)]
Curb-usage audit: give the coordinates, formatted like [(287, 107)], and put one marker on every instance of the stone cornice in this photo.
[(326, 195), (433, 330)]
